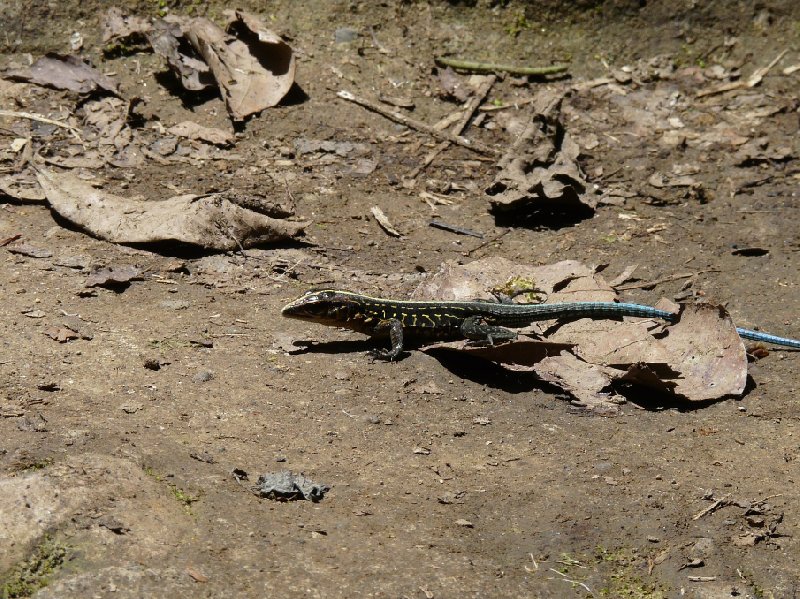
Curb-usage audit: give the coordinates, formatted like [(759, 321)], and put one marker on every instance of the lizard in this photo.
[(477, 320)]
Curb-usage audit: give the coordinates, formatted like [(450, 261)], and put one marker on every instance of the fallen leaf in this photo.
[(18, 188), (541, 170), (23, 249), (196, 574), (464, 523), (61, 334), (113, 276), (116, 25), (253, 67), (211, 135), (64, 72), (207, 221)]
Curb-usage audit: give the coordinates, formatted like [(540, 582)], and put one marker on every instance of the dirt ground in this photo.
[(449, 478)]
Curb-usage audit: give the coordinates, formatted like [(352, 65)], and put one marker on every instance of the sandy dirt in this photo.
[(448, 478)]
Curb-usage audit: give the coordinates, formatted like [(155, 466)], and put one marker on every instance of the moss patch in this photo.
[(33, 574)]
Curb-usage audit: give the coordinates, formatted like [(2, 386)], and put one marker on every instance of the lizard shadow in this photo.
[(495, 376)]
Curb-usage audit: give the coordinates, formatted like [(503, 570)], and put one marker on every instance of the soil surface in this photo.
[(448, 478)]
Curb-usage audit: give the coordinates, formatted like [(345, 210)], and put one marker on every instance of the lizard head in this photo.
[(324, 306)]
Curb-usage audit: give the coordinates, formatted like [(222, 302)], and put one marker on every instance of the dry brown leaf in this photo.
[(116, 25), (566, 281), (589, 383), (253, 66), (64, 72), (19, 188), (164, 38), (212, 135), (61, 334), (207, 221), (113, 276), (541, 170), (700, 357)]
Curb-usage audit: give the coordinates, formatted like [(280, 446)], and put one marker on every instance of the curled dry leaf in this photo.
[(700, 357), (210, 222), (165, 38), (116, 25), (64, 72), (253, 67), (541, 170)]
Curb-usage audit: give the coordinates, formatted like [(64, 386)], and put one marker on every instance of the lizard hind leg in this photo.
[(475, 329)]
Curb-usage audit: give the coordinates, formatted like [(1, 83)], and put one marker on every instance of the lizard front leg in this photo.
[(395, 328)]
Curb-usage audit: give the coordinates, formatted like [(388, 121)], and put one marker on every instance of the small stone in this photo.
[(175, 304), (373, 419), (152, 363), (464, 523), (344, 35), (203, 376), (422, 451), (653, 539)]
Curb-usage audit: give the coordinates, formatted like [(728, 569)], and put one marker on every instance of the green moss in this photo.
[(623, 581), (182, 496), (33, 574)]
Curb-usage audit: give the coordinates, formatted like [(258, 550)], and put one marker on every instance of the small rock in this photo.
[(422, 450), (131, 407), (344, 35), (703, 547), (755, 521), (202, 457), (464, 523), (30, 251), (372, 419), (653, 539), (175, 304), (34, 313), (152, 363), (203, 376)]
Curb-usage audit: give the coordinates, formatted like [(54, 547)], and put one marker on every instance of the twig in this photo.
[(515, 104), (42, 119), (569, 580), (437, 224), (384, 222), (490, 67), (469, 109), (750, 82), (713, 507), (488, 242), (418, 125), (649, 284)]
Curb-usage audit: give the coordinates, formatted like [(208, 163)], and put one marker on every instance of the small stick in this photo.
[(515, 104), (42, 119), (470, 108), (418, 125), (752, 81), (437, 224), (384, 222), (713, 507), (490, 67)]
